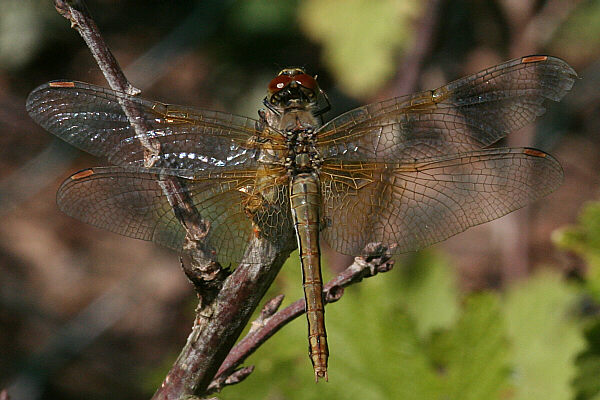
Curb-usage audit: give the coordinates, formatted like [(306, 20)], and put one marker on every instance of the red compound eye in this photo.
[(279, 82), (306, 81)]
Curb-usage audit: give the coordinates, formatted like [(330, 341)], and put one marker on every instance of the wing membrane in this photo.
[(413, 205), (91, 118), (464, 115), (132, 202)]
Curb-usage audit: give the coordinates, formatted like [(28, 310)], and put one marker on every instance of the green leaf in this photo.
[(587, 382), (472, 356), (545, 336), (262, 16), (361, 39), (584, 240), (425, 286), (578, 39), (22, 27)]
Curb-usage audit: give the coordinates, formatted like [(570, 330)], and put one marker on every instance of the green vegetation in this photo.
[(362, 58), (410, 334), (583, 239)]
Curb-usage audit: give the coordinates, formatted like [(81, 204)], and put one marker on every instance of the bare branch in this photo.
[(236, 377), (76, 11), (174, 189), (267, 312), (218, 325), (226, 304), (377, 260)]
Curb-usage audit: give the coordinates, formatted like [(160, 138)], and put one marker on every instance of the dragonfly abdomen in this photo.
[(305, 199)]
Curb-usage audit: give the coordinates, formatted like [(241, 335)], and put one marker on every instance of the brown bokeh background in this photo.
[(88, 314)]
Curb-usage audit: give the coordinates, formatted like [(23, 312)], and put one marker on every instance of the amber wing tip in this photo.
[(82, 174), (62, 84), (534, 153), (529, 59)]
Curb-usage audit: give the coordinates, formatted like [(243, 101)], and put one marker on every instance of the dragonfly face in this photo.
[(292, 88), (406, 172)]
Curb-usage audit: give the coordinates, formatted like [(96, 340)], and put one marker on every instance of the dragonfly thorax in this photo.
[(302, 153)]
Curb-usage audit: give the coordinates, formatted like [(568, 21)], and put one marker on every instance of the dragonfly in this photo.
[(405, 172)]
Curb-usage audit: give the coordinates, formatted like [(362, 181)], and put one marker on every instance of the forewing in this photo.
[(413, 205), (133, 202), (464, 115), (92, 119)]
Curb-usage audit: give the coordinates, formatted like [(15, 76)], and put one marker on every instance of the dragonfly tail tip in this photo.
[(320, 374)]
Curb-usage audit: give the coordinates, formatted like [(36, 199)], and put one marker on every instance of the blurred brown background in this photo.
[(88, 314)]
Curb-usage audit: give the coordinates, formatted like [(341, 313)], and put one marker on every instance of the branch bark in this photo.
[(218, 325), (227, 301)]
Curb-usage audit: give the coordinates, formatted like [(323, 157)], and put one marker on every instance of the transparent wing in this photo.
[(413, 205), (91, 118), (464, 115), (132, 202)]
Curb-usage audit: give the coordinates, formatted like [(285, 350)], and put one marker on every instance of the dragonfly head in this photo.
[(294, 88)]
